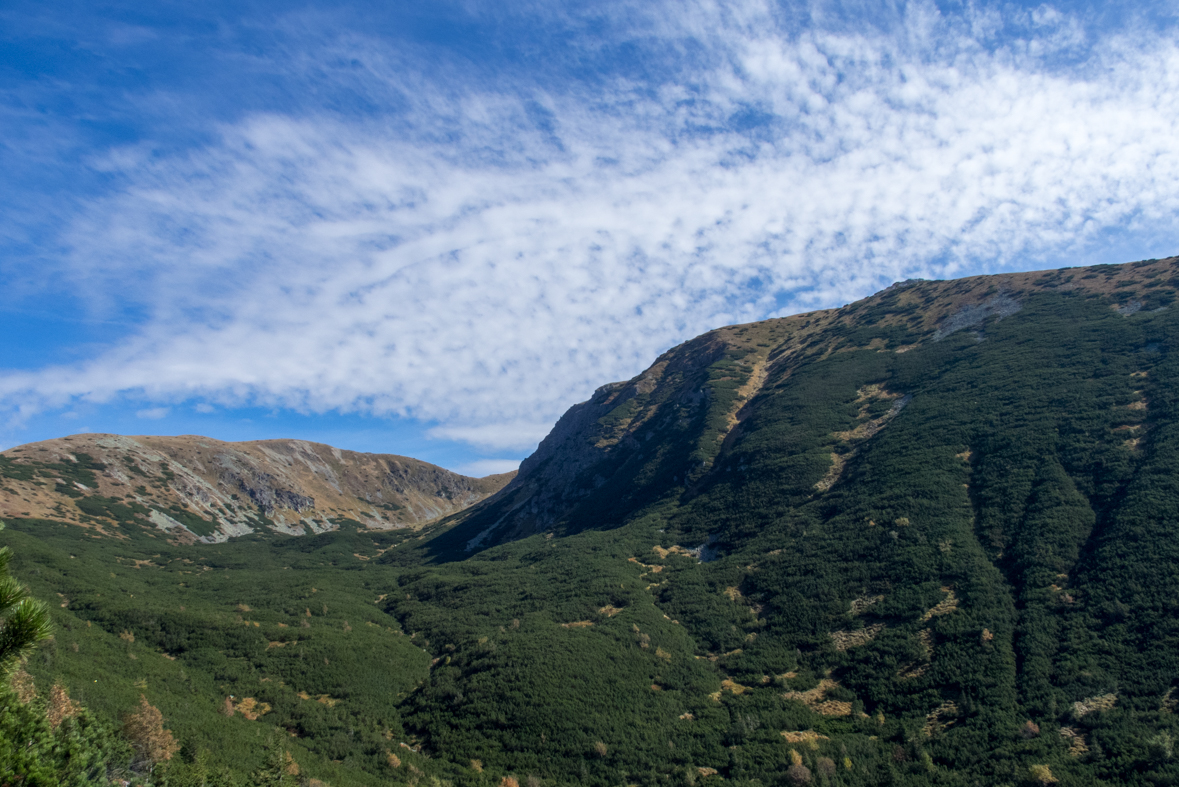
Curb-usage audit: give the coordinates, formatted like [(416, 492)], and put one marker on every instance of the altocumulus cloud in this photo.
[(501, 251)]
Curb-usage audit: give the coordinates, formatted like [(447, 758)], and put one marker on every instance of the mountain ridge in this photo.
[(196, 488), (717, 377)]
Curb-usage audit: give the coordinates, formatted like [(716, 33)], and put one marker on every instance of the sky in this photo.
[(430, 228)]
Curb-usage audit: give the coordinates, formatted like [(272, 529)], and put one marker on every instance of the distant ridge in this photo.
[(199, 489)]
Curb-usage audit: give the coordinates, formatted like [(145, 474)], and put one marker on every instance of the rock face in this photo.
[(197, 488)]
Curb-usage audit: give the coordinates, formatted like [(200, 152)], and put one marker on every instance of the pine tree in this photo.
[(280, 768), (41, 746), (24, 622), (200, 772)]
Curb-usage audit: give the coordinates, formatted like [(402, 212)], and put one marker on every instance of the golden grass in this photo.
[(934, 721), (844, 640), (804, 736), (1102, 702), (944, 607), (1075, 740), (815, 699)]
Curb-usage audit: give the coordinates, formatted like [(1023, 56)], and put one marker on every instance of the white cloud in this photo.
[(153, 413), (485, 467), (495, 435), (470, 268), (204, 407)]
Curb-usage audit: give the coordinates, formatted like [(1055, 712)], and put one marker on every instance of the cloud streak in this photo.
[(491, 255)]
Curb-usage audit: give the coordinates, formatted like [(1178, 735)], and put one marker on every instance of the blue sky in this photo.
[(429, 228)]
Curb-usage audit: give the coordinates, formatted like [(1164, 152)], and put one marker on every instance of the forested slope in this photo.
[(948, 512)]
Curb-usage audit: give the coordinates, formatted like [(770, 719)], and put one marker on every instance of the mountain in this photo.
[(199, 489), (929, 538), (933, 516), (677, 428)]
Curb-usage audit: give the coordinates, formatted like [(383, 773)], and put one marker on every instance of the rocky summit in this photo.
[(193, 488)]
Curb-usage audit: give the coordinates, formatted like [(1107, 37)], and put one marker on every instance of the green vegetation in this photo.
[(952, 565), (24, 621)]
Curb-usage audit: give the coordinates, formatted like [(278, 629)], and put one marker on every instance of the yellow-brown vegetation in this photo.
[(1075, 740), (815, 699), (805, 736), (944, 607), (935, 722), (60, 707), (1041, 774), (843, 640), (862, 604), (23, 686), (144, 730), (1100, 703), (252, 709)]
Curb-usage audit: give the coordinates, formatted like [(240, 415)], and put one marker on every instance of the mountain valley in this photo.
[(929, 538)]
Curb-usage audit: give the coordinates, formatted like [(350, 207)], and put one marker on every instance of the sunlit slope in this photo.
[(190, 487)]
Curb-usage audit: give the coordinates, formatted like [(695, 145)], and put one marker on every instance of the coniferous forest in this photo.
[(930, 538)]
